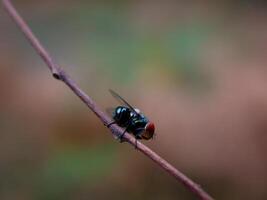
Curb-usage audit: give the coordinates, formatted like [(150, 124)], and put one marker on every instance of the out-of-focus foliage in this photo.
[(71, 167), (197, 69)]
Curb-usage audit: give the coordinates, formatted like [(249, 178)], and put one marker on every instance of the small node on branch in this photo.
[(56, 73), (56, 76)]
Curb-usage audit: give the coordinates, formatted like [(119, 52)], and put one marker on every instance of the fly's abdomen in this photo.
[(122, 115)]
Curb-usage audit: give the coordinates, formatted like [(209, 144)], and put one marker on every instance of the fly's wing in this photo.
[(110, 111), (120, 99)]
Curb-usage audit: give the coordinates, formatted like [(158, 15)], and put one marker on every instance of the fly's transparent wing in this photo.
[(110, 111), (123, 101)]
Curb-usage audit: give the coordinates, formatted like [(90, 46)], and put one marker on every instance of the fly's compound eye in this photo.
[(149, 131)]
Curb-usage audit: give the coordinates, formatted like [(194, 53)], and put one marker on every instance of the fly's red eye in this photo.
[(150, 128), (149, 131)]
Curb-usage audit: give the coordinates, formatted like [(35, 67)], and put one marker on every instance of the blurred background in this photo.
[(195, 68)]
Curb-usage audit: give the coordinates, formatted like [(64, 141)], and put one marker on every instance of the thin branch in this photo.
[(60, 74)]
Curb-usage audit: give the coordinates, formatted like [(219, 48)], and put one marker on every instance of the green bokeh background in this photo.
[(197, 69)]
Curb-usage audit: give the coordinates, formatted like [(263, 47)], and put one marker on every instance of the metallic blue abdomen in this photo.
[(122, 115)]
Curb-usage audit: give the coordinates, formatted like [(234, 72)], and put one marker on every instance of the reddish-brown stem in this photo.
[(60, 74)]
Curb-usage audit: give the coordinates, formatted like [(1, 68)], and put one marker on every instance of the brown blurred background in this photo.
[(197, 69)]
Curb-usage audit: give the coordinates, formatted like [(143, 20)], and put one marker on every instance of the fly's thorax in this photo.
[(137, 124), (141, 127), (137, 110)]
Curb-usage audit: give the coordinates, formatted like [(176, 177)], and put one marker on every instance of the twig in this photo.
[(60, 74)]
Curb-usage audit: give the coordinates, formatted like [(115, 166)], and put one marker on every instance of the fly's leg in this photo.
[(138, 136), (121, 138), (110, 123), (125, 130), (135, 146), (122, 135)]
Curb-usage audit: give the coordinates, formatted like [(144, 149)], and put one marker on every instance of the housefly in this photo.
[(132, 120)]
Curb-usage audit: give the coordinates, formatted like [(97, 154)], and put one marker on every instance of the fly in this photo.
[(132, 120)]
